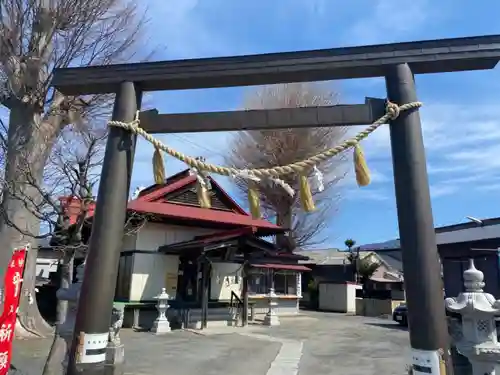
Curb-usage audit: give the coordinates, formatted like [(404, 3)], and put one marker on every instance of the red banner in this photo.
[(12, 291)]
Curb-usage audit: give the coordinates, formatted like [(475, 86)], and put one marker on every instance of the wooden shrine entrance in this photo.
[(397, 63), (188, 284), (200, 268)]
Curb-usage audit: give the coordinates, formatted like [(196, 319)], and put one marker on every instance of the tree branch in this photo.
[(268, 148)]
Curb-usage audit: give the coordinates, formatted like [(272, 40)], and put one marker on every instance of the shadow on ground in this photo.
[(347, 344), (388, 325)]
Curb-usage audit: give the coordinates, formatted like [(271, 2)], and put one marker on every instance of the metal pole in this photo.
[(244, 291), (423, 286), (90, 337), (205, 275), (356, 279)]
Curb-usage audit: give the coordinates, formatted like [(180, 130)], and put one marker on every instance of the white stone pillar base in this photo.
[(115, 354), (271, 318), (160, 327)]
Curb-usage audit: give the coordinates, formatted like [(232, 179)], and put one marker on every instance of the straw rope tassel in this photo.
[(253, 199), (203, 195), (158, 167), (360, 166), (305, 194)]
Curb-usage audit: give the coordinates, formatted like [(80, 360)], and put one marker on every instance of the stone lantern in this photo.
[(478, 339), (161, 324), (271, 318)]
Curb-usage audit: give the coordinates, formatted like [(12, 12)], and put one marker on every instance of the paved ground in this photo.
[(313, 344)]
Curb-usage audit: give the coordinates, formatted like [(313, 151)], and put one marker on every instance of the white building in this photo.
[(212, 259)]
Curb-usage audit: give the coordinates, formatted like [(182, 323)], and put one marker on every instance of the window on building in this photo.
[(258, 282), (285, 282), (122, 290)]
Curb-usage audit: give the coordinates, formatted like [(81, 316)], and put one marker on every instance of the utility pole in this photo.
[(429, 337)]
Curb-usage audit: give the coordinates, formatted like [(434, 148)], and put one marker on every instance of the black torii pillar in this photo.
[(90, 337), (416, 226)]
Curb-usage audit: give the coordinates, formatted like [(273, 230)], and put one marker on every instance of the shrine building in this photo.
[(213, 262)]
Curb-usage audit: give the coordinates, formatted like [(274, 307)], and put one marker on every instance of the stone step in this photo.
[(212, 313), (196, 324), (218, 317)]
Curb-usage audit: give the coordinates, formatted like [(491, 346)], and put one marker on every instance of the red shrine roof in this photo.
[(175, 201), (73, 208), (270, 257), (200, 241)]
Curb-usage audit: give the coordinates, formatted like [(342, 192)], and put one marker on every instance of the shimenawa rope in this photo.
[(302, 168)]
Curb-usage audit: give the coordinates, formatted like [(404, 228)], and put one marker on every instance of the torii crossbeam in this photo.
[(396, 62), (263, 119)]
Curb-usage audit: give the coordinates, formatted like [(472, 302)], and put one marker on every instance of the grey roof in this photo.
[(391, 244), (393, 258), (328, 257), (336, 257), (395, 244)]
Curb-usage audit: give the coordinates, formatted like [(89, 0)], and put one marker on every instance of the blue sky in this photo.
[(460, 117)]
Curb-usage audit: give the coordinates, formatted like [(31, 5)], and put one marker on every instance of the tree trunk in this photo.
[(53, 365), (29, 145), (285, 240), (30, 322)]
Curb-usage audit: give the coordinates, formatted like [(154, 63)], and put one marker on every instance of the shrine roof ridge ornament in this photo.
[(430, 56)]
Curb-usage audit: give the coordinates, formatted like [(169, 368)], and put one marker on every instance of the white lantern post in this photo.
[(161, 324)]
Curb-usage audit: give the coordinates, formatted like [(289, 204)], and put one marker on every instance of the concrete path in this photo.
[(313, 344)]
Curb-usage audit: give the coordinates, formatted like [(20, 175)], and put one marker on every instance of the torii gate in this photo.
[(396, 62)]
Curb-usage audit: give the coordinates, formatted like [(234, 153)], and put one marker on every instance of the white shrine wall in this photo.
[(152, 270), (226, 278)]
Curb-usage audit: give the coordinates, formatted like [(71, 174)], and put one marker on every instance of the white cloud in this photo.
[(183, 30), (475, 182), (378, 177), (368, 194), (462, 146), (441, 169), (489, 187), (388, 21), (442, 190)]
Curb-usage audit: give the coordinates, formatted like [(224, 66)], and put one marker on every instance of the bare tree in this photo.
[(268, 148), (37, 36), (71, 172)]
